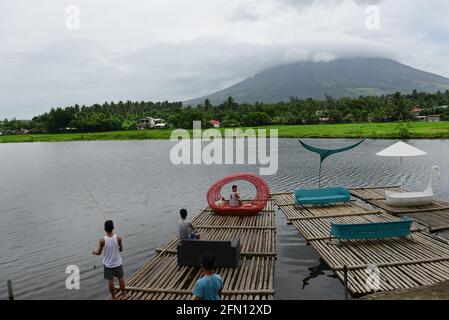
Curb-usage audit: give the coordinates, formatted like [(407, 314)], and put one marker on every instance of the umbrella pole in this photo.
[(319, 176), (400, 165)]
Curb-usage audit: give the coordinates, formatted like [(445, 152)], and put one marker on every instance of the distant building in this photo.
[(434, 118), (151, 123), (421, 118), (325, 119), (215, 123), (416, 111), (429, 118)]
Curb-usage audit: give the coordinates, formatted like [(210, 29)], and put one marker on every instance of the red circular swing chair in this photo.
[(250, 208)]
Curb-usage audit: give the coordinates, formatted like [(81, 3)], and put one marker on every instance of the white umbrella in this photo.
[(401, 149)]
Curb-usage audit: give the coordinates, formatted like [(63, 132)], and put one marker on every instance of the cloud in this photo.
[(178, 50), (246, 10), (296, 55), (323, 57)]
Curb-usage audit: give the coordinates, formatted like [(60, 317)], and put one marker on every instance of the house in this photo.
[(415, 111), (325, 119), (151, 123), (215, 123), (429, 118), (434, 118), (421, 118)]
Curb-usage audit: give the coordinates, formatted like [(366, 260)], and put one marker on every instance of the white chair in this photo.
[(410, 199)]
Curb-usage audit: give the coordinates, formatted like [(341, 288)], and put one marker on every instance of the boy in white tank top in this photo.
[(112, 245), (234, 198)]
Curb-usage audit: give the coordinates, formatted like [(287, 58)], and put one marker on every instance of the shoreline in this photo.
[(416, 130)]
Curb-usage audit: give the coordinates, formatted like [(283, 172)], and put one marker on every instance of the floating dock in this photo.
[(401, 263), (435, 217), (162, 279)]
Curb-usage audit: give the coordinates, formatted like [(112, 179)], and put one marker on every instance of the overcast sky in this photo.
[(182, 49)]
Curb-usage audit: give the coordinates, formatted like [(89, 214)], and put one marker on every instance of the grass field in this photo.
[(416, 130)]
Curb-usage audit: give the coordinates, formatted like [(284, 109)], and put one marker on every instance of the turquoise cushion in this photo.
[(322, 196), (373, 230)]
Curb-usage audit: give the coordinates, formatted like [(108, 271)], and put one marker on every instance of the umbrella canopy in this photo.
[(324, 153), (400, 149)]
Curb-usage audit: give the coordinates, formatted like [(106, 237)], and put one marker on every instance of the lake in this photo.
[(49, 218)]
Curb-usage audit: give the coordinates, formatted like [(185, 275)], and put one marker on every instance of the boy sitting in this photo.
[(234, 198), (186, 229)]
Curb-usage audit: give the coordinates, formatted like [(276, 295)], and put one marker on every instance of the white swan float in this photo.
[(408, 199)]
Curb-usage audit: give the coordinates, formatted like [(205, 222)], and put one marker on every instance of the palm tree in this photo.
[(207, 105), (230, 103), (400, 107)]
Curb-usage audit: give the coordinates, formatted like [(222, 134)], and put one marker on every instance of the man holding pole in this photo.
[(112, 245)]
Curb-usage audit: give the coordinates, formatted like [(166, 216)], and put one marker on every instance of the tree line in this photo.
[(111, 116)]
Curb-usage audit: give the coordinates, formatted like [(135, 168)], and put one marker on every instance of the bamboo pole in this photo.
[(243, 253), (365, 213), (395, 263), (377, 187), (183, 291), (10, 290), (236, 227), (345, 281)]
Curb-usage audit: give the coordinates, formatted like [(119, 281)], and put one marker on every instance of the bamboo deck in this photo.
[(435, 217), (402, 263), (162, 279)]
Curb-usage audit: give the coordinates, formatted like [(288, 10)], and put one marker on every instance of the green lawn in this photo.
[(417, 130)]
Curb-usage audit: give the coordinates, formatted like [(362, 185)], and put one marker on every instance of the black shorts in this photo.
[(110, 273)]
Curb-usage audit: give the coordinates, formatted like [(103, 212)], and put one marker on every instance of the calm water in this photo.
[(48, 219)]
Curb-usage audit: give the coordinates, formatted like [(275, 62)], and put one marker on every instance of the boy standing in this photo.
[(210, 286), (112, 245)]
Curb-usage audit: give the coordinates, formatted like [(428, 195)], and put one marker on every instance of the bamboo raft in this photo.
[(162, 279), (435, 217), (402, 263)]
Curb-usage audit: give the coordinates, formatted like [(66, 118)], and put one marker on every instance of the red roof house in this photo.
[(215, 123)]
